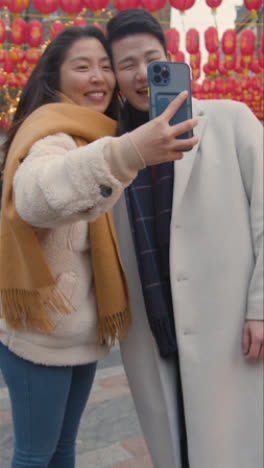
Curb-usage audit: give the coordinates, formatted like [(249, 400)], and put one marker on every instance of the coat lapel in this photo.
[(183, 168)]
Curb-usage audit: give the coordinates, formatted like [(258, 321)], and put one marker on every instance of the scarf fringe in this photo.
[(112, 327), (30, 310)]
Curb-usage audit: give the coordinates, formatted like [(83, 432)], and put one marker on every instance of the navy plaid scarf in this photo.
[(149, 201)]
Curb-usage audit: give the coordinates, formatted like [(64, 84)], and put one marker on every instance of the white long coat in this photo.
[(216, 256)]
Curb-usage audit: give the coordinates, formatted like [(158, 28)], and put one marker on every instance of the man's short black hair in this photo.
[(134, 21)]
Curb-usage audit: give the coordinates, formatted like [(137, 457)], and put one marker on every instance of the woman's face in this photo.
[(86, 75)]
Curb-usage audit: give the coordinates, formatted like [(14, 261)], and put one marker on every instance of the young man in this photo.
[(207, 218)]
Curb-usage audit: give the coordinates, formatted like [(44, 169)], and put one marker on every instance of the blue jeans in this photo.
[(47, 404)]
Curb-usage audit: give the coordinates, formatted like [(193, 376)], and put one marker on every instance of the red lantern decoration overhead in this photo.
[(2, 31), (152, 5), (125, 4), (230, 61), (182, 5), (16, 6), (214, 4), (2, 79), (173, 40), (195, 60), (56, 28), (179, 56), (213, 60), (96, 5), (79, 22), (18, 31), (71, 6), (229, 42), (247, 42), (34, 33), (16, 55), (253, 6), (46, 6), (8, 65), (211, 39), (32, 56), (192, 41), (3, 55)]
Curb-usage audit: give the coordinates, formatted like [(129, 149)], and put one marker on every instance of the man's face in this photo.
[(131, 56)]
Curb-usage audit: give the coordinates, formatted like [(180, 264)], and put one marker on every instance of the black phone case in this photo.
[(166, 80)]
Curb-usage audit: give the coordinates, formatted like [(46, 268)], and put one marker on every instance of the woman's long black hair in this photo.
[(43, 86)]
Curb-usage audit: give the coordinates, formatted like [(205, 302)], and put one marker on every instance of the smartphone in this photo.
[(165, 81)]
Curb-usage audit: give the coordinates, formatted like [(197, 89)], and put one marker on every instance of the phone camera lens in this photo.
[(157, 79), (157, 68), (164, 73)]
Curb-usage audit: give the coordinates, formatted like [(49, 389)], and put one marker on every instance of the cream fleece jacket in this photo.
[(59, 188)]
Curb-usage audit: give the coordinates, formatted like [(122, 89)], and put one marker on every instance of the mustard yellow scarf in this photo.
[(29, 294)]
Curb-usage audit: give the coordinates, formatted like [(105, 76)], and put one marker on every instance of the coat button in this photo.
[(105, 191)]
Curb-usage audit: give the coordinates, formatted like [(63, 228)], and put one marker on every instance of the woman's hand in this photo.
[(156, 140)]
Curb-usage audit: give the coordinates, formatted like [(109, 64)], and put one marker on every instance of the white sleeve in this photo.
[(249, 138), (59, 182)]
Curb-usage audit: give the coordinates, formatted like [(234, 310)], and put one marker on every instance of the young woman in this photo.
[(64, 296)]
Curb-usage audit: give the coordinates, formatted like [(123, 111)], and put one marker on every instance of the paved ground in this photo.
[(109, 435)]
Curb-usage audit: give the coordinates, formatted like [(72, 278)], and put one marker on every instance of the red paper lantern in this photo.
[(8, 65), (245, 61), (247, 42), (125, 4), (22, 67), (46, 6), (206, 85), (18, 31), (2, 3), (229, 42), (22, 80), (211, 39), (2, 31), (222, 69), (3, 55), (182, 5), (34, 33), (214, 4), (245, 82), (71, 6), (213, 60), (2, 79), (32, 56), (192, 41), (253, 6), (219, 85), (179, 56), (196, 73), (256, 82), (195, 60), (206, 69), (56, 28), (230, 84), (255, 67), (16, 6), (96, 5), (152, 5), (173, 40), (5, 122), (16, 55), (230, 61), (12, 80), (79, 22)]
